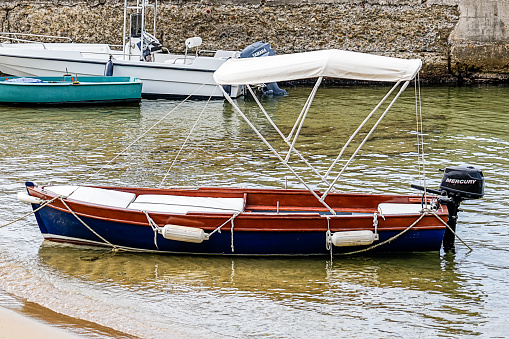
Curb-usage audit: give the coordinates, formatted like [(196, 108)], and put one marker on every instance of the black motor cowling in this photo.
[(464, 182), (459, 183), (261, 49)]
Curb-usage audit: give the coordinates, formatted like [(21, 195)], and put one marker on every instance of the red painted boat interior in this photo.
[(264, 209)]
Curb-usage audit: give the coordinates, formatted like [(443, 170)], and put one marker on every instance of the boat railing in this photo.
[(206, 51), (184, 59), (15, 37), (17, 40)]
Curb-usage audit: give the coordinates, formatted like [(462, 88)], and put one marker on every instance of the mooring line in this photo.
[(390, 239), (115, 248), (32, 212), (450, 229)]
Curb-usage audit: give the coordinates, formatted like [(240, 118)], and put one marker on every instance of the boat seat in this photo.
[(392, 208), (185, 204), (93, 195)]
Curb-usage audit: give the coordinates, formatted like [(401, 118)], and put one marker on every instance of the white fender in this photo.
[(183, 233), (25, 197), (353, 238)]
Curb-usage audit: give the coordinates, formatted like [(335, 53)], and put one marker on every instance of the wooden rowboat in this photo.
[(239, 221), (251, 221)]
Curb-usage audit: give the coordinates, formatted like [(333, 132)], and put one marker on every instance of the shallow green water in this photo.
[(152, 296)]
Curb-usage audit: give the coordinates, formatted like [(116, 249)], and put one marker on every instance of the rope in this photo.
[(144, 133), (187, 138), (31, 212), (328, 235), (155, 227), (450, 229), (421, 161), (218, 229), (375, 222), (231, 245), (425, 212), (90, 229)]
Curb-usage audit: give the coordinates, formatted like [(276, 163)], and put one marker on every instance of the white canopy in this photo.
[(327, 63)]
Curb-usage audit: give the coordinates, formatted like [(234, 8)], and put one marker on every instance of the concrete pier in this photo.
[(480, 41)]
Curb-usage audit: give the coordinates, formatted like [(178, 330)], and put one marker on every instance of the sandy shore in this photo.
[(14, 325)]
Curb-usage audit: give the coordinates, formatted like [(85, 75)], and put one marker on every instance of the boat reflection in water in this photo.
[(277, 278), (153, 293)]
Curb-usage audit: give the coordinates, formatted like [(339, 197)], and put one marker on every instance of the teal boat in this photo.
[(69, 90)]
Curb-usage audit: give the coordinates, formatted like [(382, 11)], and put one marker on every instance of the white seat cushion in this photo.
[(391, 208), (93, 195), (186, 204), (61, 190)]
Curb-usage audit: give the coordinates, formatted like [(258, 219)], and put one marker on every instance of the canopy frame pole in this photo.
[(142, 41), (359, 128), (403, 87), (124, 30), (267, 143), (322, 178), (155, 18), (421, 161), (305, 110), (299, 117)]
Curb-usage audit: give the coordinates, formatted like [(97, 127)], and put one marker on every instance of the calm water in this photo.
[(102, 294)]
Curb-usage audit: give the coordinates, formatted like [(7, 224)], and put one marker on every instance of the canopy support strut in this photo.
[(322, 178), (358, 129), (239, 111), (302, 117), (403, 87)]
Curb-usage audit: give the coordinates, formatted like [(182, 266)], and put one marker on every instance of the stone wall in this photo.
[(444, 33)]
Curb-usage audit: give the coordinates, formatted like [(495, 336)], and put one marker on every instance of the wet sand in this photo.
[(24, 319), (15, 325)]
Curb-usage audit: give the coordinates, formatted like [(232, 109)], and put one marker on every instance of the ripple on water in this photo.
[(422, 294)]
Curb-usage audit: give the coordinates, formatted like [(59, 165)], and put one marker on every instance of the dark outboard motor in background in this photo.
[(458, 183), (261, 49)]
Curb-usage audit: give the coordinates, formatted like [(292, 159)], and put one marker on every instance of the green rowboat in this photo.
[(69, 90)]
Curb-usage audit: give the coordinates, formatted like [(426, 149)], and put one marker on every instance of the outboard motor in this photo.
[(463, 182), (458, 183), (261, 49)]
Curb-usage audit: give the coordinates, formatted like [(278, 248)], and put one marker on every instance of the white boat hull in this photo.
[(170, 79)]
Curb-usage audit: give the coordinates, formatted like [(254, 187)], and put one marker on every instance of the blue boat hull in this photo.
[(61, 226)]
